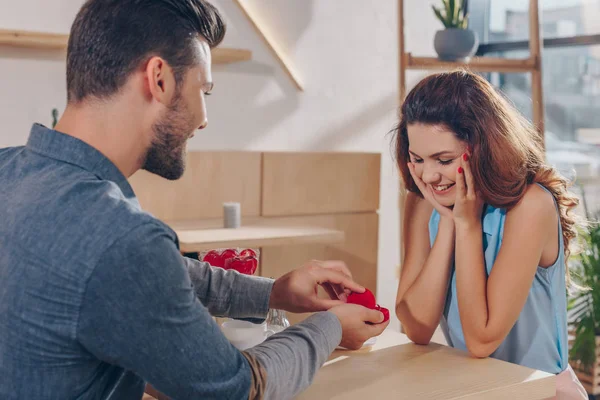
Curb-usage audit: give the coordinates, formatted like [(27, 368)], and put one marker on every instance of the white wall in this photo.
[(344, 50)]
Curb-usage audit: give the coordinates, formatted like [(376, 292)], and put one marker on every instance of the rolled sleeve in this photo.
[(227, 293)]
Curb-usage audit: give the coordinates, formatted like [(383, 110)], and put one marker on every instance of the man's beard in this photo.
[(166, 155)]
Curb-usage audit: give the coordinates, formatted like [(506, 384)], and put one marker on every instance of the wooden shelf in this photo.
[(196, 236), (37, 40), (223, 55), (480, 64), (57, 41)]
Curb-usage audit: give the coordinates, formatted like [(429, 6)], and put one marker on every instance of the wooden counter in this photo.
[(394, 368), (255, 236)]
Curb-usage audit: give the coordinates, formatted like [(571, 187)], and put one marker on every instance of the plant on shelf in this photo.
[(584, 313), (456, 41), (452, 16), (54, 117)]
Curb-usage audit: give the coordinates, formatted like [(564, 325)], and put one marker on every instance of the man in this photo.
[(95, 297)]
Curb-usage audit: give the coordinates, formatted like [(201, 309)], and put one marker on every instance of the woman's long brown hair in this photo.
[(507, 151)]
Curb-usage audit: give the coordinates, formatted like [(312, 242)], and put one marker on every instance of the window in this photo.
[(571, 79), (507, 21)]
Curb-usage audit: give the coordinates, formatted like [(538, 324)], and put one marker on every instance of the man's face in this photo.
[(186, 113)]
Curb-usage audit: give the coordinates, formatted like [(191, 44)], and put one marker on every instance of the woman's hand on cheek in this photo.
[(468, 205)]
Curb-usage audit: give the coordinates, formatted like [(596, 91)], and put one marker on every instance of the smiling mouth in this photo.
[(441, 189)]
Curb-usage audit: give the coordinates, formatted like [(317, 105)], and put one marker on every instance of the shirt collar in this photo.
[(68, 149)]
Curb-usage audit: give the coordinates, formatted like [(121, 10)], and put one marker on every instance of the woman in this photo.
[(487, 228)]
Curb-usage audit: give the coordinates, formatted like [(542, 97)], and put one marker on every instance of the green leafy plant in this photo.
[(453, 15), (54, 117), (584, 305)]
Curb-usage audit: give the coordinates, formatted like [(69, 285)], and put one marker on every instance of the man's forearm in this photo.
[(291, 358), (285, 364), (229, 293)]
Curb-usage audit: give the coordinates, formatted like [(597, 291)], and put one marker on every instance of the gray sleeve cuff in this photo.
[(328, 323), (251, 298)]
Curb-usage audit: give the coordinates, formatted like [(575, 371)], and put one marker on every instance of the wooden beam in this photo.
[(401, 59), (402, 64), (535, 50), (252, 16)]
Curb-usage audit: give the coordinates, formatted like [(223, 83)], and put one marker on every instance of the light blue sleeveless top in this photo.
[(539, 337)]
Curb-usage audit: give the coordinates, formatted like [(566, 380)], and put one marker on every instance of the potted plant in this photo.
[(54, 117), (456, 42), (584, 314)]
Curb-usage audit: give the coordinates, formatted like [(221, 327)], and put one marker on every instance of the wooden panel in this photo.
[(211, 178), (359, 250), (320, 183)]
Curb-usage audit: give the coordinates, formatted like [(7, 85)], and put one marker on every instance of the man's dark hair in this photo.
[(110, 38)]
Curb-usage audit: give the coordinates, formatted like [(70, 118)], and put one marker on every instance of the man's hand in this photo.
[(355, 330), (297, 290)]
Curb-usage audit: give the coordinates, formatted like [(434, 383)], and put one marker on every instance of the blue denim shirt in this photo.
[(95, 297)]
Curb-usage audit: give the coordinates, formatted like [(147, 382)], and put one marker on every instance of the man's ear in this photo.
[(161, 80)]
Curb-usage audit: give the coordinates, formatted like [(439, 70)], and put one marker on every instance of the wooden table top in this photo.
[(394, 368)]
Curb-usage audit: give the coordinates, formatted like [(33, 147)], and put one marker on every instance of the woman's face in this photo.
[(435, 152)]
